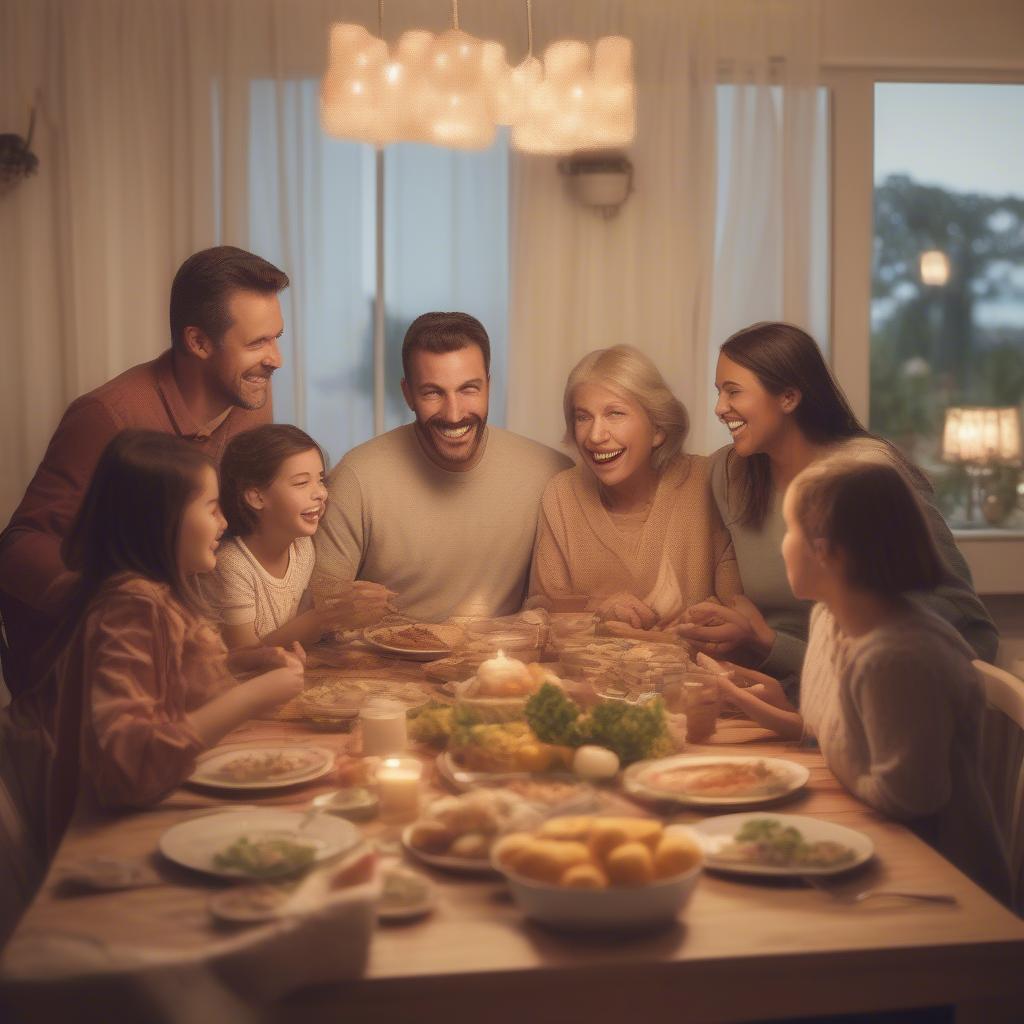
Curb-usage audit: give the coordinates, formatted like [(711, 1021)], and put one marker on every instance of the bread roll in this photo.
[(604, 837), (584, 876), (547, 860), (511, 847), (640, 830), (472, 846), (645, 830), (675, 855), (431, 837), (630, 864), (575, 828)]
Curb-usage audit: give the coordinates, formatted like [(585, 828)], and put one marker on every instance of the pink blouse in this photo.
[(141, 661)]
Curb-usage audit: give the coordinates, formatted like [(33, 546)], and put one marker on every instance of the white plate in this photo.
[(417, 654), (317, 761), (195, 842), (415, 905), (464, 780), (461, 865), (714, 833), (792, 776)]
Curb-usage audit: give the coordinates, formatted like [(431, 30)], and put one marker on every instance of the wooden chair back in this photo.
[(1003, 763)]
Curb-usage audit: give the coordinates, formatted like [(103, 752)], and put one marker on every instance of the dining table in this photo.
[(743, 949)]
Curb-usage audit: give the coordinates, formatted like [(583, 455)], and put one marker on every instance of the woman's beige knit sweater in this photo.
[(681, 555)]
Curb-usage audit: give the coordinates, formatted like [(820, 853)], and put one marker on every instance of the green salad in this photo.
[(269, 857), (769, 842)]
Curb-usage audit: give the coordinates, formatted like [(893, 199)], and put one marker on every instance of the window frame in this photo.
[(995, 556)]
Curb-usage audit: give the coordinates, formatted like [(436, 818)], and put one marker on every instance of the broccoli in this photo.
[(551, 715), (633, 731)]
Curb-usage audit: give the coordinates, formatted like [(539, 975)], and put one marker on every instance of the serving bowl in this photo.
[(618, 908)]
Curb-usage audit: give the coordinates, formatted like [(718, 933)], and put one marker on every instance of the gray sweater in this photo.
[(897, 713), (763, 572)]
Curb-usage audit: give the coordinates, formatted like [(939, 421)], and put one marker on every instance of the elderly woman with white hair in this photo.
[(632, 527)]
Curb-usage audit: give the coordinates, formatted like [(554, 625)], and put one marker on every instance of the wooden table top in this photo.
[(743, 949)]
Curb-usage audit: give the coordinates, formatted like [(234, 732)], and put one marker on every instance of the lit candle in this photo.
[(383, 723), (398, 788), (496, 674)]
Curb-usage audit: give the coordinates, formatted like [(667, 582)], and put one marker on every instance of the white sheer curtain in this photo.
[(582, 282), (771, 251), (122, 194)]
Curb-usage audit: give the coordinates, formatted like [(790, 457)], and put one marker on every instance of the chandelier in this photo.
[(452, 89)]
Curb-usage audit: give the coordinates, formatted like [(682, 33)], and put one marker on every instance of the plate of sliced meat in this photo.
[(715, 780), (415, 641)]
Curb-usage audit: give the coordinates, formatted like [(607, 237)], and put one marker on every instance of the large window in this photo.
[(313, 206), (947, 304)]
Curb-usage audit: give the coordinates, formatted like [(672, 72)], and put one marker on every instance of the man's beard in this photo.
[(436, 442), (239, 398)]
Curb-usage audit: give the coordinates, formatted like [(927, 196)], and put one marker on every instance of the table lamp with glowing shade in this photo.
[(979, 438)]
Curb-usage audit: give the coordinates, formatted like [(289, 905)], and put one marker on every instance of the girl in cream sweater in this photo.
[(887, 687)]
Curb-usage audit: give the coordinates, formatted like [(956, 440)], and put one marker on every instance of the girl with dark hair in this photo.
[(785, 411), (139, 683), (273, 496), (887, 687)]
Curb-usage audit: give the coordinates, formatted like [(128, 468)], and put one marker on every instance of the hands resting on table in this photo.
[(709, 626)]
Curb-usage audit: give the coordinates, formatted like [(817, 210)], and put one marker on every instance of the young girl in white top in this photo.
[(273, 496), (887, 687)]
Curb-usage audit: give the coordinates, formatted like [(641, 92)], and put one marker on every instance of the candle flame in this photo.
[(501, 653)]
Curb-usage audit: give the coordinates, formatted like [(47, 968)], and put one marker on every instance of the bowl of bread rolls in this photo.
[(590, 873)]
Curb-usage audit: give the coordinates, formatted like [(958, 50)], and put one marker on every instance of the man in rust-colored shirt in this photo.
[(213, 383)]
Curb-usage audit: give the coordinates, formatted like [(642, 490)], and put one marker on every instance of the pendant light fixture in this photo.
[(453, 89), (440, 88), (575, 100)]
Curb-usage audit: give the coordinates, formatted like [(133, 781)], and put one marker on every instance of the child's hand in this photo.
[(279, 686), (764, 702), (255, 659), (362, 604), (625, 607), (763, 686)]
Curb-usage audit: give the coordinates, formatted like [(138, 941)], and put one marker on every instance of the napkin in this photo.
[(53, 975)]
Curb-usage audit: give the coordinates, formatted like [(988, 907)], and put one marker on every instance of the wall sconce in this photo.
[(978, 438), (934, 268), (602, 181)]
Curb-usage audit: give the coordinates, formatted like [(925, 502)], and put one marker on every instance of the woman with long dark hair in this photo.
[(785, 411)]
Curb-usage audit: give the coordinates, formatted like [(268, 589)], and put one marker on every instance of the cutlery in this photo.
[(815, 882)]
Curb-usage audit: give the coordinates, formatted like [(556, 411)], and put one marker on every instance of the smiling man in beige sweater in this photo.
[(443, 510)]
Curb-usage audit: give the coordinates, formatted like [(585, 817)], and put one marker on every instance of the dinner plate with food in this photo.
[(272, 766), (414, 641), (715, 780), (756, 843), (464, 779), (335, 701), (257, 845), (456, 833)]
